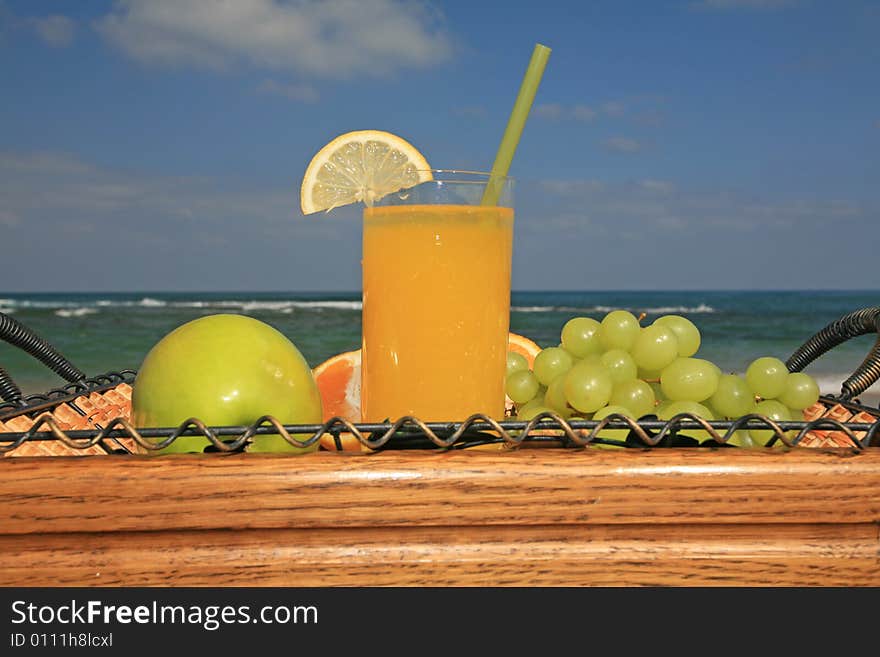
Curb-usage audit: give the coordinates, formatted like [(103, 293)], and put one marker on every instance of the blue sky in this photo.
[(673, 144)]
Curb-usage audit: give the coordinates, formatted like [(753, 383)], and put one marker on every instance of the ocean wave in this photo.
[(340, 305), (47, 305), (76, 312), (146, 302), (661, 310), (247, 305), (278, 306), (666, 310)]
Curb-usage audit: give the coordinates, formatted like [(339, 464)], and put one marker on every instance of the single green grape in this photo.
[(516, 362), (619, 330), (694, 408), (689, 379), (587, 387), (717, 369), (685, 330), (612, 434), (655, 347), (801, 391), (774, 410), (555, 397), (742, 438), (620, 365), (533, 409), (733, 398), (522, 386), (634, 394), (766, 376), (551, 363), (580, 336), (714, 411)]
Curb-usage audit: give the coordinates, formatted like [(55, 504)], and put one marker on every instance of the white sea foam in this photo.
[(29, 303), (339, 305), (74, 308), (661, 310), (830, 382), (665, 310), (277, 306), (534, 309), (76, 312)]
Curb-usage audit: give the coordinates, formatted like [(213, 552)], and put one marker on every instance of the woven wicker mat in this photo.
[(831, 438), (87, 412)]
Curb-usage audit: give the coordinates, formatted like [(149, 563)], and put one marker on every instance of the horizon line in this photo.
[(354, 291)]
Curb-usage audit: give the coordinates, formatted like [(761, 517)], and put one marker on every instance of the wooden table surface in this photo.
[(533, 516)]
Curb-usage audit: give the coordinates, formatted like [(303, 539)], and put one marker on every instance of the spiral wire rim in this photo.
[(580, 433)]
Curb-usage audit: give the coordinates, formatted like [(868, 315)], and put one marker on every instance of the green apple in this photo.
[(226, 370)]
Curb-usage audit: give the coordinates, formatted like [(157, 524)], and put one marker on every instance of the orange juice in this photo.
[(436, 293)]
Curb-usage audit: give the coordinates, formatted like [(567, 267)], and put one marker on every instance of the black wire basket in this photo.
[(92, 415)]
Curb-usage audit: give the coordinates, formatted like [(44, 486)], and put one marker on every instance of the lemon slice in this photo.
[(363, 165)]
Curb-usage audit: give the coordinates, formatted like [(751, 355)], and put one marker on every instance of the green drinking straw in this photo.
[(515, 123)]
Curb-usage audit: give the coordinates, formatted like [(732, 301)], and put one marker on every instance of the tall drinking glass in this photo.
[(436, 300)]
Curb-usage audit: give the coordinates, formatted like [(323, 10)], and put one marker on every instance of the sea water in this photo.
[(105, 332)]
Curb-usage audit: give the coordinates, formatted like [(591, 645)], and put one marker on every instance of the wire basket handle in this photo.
[(19, 335), (856, 323)]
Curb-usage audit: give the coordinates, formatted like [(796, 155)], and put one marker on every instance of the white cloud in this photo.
[(471, 111), (622, 144), (556, 111), (59, 188), (660, 186), (583, 113), (334, 39), (579, 112), (300, 92), (572, 187), (9, 219), (55, 30), (551, 111), (649, 205), (44, 162), (613, 108)]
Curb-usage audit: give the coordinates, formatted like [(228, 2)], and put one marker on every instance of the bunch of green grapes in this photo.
[(617, 366)]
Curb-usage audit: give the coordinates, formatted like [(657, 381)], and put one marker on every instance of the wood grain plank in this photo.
[(598, 555), (421, 489)]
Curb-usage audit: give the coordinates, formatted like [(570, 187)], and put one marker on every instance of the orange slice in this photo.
[(339, 383), (522, 345)]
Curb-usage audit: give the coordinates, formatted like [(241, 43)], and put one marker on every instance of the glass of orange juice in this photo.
[(436, 300)]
